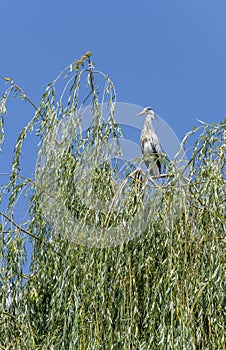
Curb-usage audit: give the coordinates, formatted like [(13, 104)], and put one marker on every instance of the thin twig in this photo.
[(19, 227), (27, 232), (14, 86)]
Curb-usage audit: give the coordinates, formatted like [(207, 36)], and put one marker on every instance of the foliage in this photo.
[(163, 289)]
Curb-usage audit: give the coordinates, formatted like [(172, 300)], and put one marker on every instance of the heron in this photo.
[(150, 144)]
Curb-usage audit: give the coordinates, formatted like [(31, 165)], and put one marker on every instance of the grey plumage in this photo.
[(150, 144)]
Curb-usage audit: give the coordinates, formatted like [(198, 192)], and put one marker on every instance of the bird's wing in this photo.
[(152, 146), (157, 149), (156, 144)]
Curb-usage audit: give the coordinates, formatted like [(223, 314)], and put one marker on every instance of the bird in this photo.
[(150, 144)]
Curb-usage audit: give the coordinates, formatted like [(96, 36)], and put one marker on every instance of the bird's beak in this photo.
[(141, 113)]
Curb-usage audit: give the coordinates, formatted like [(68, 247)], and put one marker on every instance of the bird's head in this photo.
[(147, 111)]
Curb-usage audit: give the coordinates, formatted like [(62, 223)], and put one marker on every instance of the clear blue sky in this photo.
[(170, 55)]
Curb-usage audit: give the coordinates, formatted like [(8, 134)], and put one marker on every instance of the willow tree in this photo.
[(118, 261)]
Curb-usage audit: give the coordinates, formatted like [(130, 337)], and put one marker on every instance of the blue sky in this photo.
[(170, 55)]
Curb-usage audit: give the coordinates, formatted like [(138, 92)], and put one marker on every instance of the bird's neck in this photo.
[(148, 123)]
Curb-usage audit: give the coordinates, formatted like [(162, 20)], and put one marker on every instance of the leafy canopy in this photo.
[(161, 287)]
